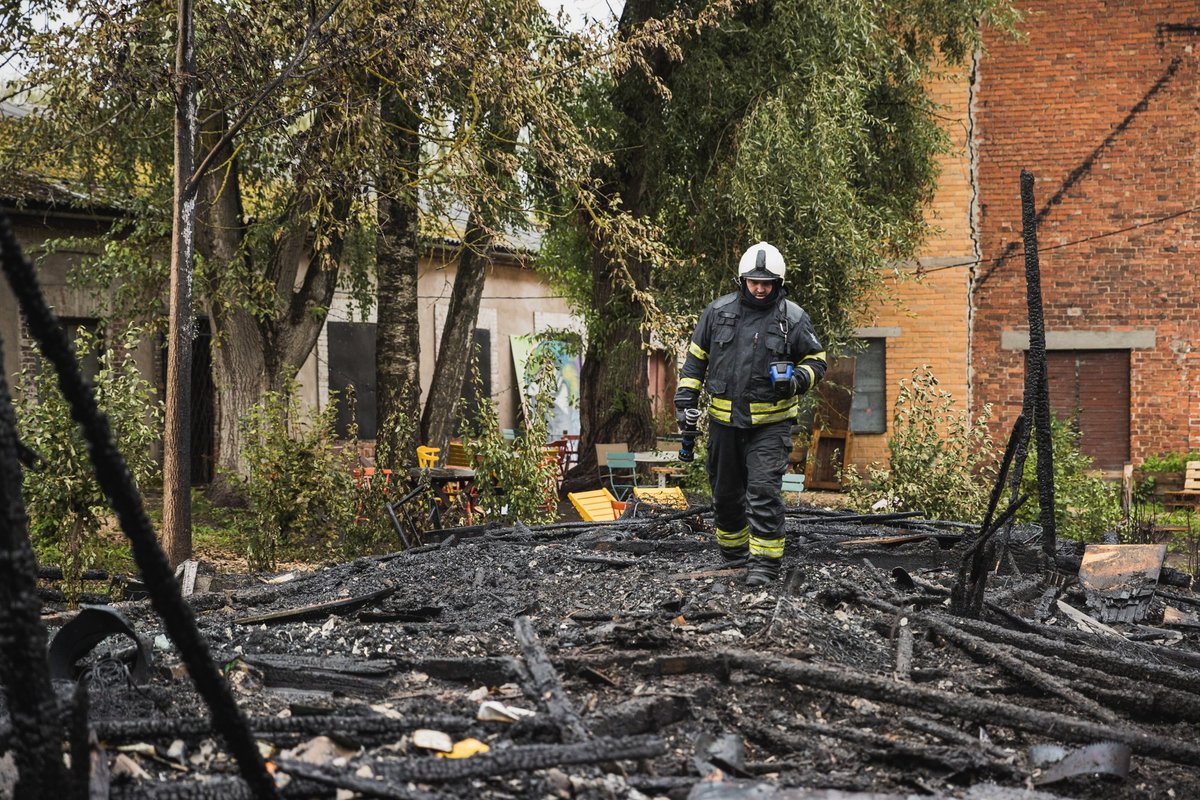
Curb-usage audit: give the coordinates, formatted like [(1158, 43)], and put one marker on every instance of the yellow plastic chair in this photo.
[(427, 457), (671, 496), (594, 506)]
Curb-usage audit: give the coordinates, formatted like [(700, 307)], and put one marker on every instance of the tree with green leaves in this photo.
[(806, 124), (387, 123)]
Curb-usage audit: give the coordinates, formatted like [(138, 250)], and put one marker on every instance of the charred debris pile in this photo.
[(895, 658), (622, 660)]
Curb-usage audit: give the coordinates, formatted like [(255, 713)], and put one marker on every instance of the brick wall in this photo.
[(1101, 102), (923, 311)]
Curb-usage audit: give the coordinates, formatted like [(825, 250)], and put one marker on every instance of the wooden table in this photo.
[(658, 461)]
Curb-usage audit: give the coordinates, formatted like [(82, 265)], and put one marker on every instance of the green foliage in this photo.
[(1086, 506), (67, 510), (300, 486), (1169, 462), (516, 479), (806, 124), (942, 463)]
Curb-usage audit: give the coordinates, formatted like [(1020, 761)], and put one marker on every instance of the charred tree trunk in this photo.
[(1037, 365), (397, 334), (454, 356)]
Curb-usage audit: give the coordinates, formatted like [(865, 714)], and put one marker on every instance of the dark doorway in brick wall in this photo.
[(1094, 384)]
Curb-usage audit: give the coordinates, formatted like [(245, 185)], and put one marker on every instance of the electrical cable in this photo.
[(1137, 226)]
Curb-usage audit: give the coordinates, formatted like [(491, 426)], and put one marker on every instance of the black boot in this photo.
[(735, 556), (762, 571)]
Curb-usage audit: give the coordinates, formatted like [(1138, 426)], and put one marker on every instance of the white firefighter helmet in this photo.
[(762, 262)]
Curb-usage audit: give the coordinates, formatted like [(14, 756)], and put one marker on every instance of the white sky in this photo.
[(579, 10)]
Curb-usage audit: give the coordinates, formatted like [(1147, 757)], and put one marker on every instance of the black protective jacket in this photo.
[(731, 353)]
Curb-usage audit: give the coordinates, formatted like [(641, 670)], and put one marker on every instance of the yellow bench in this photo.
[(594, 506)]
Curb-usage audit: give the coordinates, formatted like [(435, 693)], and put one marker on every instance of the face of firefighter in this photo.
[(759, 290)]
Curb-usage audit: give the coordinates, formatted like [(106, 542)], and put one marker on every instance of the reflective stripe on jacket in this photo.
[(731, 353)]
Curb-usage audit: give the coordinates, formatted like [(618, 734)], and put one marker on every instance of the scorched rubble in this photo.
[(624, 660)]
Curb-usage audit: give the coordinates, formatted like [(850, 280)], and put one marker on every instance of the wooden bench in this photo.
[(1189, 495)]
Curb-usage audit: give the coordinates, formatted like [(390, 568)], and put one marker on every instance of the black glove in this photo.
[(688, 419), (802, 380)]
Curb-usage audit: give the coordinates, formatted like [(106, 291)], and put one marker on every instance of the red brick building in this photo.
[(1101, 102)]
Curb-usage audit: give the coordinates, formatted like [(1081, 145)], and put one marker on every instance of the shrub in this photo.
[(1169, 462), (1086, 506), (300, 488), (942, 463), (516, 479), (66, 507)]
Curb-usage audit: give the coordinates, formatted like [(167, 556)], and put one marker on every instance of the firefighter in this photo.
[(756, 353)]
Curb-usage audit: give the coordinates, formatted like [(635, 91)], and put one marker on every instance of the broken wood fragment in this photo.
[(607, 561), (317, 610), (520, 758), (547, 683), (347, 675), (844, 680)]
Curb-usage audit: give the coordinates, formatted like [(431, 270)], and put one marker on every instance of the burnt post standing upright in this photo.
[(1036, 366), (37, 744)]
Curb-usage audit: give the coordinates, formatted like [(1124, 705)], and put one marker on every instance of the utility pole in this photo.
[(177, 448)]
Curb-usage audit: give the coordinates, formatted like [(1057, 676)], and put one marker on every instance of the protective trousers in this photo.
[(745, 471)]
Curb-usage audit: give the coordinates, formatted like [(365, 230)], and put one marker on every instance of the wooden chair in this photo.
[(621, 473), (672, 496), (1189, 495), (594, 506), (363, 479)]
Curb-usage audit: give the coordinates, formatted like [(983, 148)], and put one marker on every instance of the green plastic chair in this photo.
[(621, 472)]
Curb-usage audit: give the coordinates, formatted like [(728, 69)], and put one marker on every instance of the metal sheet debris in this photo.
[(92, 625), (1119, 579), (1054, 762)]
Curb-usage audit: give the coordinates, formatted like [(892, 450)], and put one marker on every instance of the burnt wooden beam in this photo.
[(995, 654), (112, 473), (351, 676), (844, 680), (954, 758), (187, 728), (369, 787), (1103, 658), (521, 758), (547, 683), (643, 547), (1037, 366), (24, 671), (317, 610)]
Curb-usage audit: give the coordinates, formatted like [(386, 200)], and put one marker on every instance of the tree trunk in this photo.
[(253, 355), (177, 475), (397, 333), (614, 402), (454, 354)]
